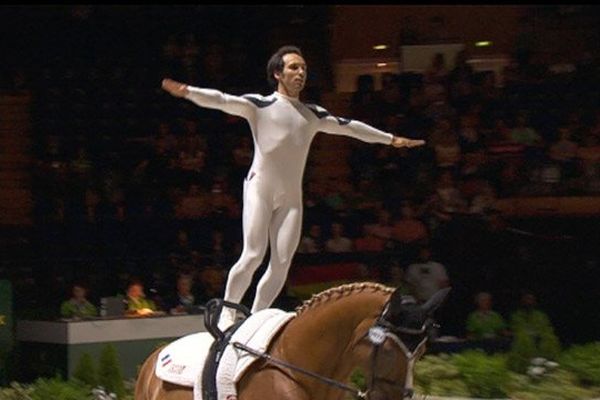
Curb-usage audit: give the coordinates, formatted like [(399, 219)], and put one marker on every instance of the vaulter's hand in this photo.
[(400, 141), (177, 89)]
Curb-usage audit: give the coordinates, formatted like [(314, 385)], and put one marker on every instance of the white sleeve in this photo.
[(215, 99), (347, 127)]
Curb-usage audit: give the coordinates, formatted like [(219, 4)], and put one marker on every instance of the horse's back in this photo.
[(149, 387)]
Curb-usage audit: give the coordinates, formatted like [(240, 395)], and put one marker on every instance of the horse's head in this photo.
[(398, 337)]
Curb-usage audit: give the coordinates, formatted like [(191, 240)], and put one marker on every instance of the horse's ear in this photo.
[(435, 301)]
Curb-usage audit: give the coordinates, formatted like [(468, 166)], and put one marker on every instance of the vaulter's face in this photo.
[(293, 76)]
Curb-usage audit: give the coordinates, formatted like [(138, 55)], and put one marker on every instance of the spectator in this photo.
[(313, 242), (78, 306), (588, 155), (182, 247), (524, 134), (368, 242), (383, 228), (165, 141), (219, 250), (564, 151), (242, 157), (338, 242), (184, 299), (426, 276), (212, 283), (447, 199), (447, 151), (530, 319), (409, 229), (221, 202), (137, 303), (193, 205), (485, 323)]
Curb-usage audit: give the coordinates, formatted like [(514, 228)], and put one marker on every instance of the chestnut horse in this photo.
[(361, 326)]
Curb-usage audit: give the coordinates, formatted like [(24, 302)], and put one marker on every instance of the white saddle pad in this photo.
[(182, 361)]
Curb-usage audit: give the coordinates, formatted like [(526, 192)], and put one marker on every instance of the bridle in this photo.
[(381, 331)]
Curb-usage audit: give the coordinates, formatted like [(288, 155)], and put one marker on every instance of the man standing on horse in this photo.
[(283, 128)]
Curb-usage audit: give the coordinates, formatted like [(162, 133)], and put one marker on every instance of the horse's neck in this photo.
[(320, 338)]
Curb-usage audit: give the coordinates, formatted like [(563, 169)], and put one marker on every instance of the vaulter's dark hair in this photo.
[(275, 63)]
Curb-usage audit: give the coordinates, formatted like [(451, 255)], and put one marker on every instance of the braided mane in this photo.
[(341, 291)]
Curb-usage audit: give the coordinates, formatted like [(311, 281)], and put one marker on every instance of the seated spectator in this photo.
[(221, 202), (447, 150), (184, 299), (485, 323), (212, 283), (447, 198), (365, 197), (426, 276), (182, 250), (394, 277), (483, 200), (165, 141), (137, 303), (589, 158), (193, 205), (313, 242), (338, 242), (409, 229), (524, 134), (564, 151), (531, 319), (383, 228), (368, 242), (78, 306), (469, 134)]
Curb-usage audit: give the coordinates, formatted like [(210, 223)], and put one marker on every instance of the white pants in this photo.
[(270, 216)]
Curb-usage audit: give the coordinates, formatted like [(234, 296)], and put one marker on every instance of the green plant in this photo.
[(521, 352), (584, 362), (358, 379), (437, 375), (85, 371), (484, 375), (16, 391), (110, 375), (558, 385), (549, 346), (58, 389)]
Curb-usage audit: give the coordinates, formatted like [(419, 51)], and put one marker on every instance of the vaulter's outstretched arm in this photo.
[(210, 98), (359, 130)]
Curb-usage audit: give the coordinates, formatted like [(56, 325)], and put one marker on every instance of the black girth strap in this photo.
[(211, 364)]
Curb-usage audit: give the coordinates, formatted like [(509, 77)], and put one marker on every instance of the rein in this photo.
[(281, 363)]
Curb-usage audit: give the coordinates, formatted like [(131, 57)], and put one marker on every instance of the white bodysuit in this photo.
[(283, 129)]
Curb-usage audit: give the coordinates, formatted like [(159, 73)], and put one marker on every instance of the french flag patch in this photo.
[(166, 360)]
